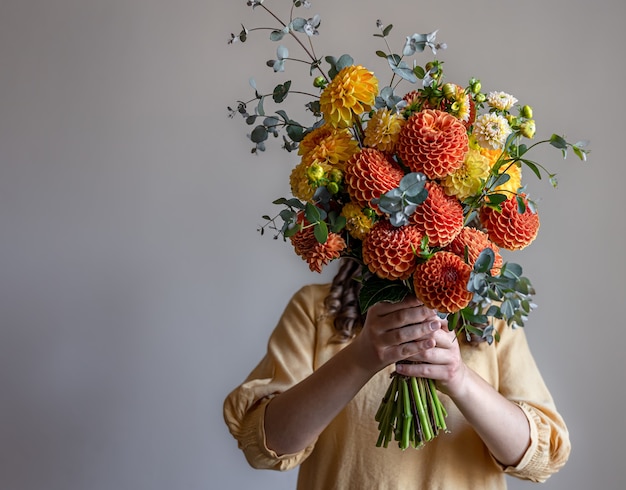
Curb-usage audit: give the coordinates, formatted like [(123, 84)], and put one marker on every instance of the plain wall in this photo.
[(135, 290)]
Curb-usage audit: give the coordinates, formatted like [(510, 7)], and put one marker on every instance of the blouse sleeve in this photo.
[(521, 382), (289, 359)]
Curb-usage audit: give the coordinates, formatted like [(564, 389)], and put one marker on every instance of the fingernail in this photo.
[(434, 325)]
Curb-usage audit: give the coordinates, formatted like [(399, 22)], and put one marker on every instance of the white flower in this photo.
[(501, 100), (491, 130)]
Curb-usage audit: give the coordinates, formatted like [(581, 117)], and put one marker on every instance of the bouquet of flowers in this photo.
[(422, 187)]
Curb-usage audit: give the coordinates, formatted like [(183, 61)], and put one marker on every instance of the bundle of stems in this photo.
[(410, 412)]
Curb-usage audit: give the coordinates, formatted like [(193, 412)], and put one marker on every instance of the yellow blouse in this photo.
[(345, 455)]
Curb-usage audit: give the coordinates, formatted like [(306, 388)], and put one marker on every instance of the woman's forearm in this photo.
[(500, 423), (294, 419)]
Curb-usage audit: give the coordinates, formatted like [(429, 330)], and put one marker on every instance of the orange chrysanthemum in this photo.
[(475, 241), (316, 254), (369, 174), (441, 282), (389, 251), (440, 216), (509, 228), (330, 145), (433, 142), (351, 93)]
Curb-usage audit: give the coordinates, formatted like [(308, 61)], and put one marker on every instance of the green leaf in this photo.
[(312, 213), (533, 166), (381, 54), (558, 142), (259, 134), (375, 290), (320, 230), (281, 91), (295, 131)]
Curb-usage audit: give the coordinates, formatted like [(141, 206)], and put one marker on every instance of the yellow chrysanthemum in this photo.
[(383, 129), (467, 180), (328, 144), (302, 185), (358, 223), (351, 93)]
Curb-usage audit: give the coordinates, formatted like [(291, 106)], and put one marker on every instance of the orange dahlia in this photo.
[(433, 142), (389, 251), (441, 282), (351, 93), (369, 174), (509, 228), (316, 254), (440, 216), (474, 241)]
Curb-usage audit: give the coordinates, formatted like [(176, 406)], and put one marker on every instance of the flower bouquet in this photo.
[(422, 187)]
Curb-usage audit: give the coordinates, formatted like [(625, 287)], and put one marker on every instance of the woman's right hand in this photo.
[(396, 331)]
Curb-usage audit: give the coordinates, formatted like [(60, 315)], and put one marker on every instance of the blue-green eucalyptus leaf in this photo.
[(259, 134)]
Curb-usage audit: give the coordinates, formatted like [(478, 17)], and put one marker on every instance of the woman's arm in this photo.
[(500, 423), (392, 332)]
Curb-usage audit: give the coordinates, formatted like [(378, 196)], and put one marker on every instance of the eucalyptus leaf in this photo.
[(259, 134)]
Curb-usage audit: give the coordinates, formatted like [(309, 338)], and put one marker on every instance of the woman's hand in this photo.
[(395, 332)]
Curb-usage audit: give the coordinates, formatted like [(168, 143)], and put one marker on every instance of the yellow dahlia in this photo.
[(439, 217), (474, 241), (351, 93), (369, 174), (383, 130), (358, 223), (441, 282), (433, 142), (329, 144), (508, 228), (389, 251), (468, 180), (316, 254), (303, 186)]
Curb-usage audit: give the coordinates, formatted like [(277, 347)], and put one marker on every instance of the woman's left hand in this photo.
[(440, 359)]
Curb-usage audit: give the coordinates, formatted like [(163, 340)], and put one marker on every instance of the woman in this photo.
[(311, 401)]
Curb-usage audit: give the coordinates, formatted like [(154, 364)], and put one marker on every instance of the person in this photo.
[(310, 402)]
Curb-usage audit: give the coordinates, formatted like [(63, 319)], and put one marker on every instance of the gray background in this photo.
[(135, 291)]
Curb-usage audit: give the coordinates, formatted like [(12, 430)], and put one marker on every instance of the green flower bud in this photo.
[(319, 82), (369, 212), (480, 98), (527, 112), (315, 172), (449, 90), (528, 128), (335, 175), (332, 187), (476, 87)]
